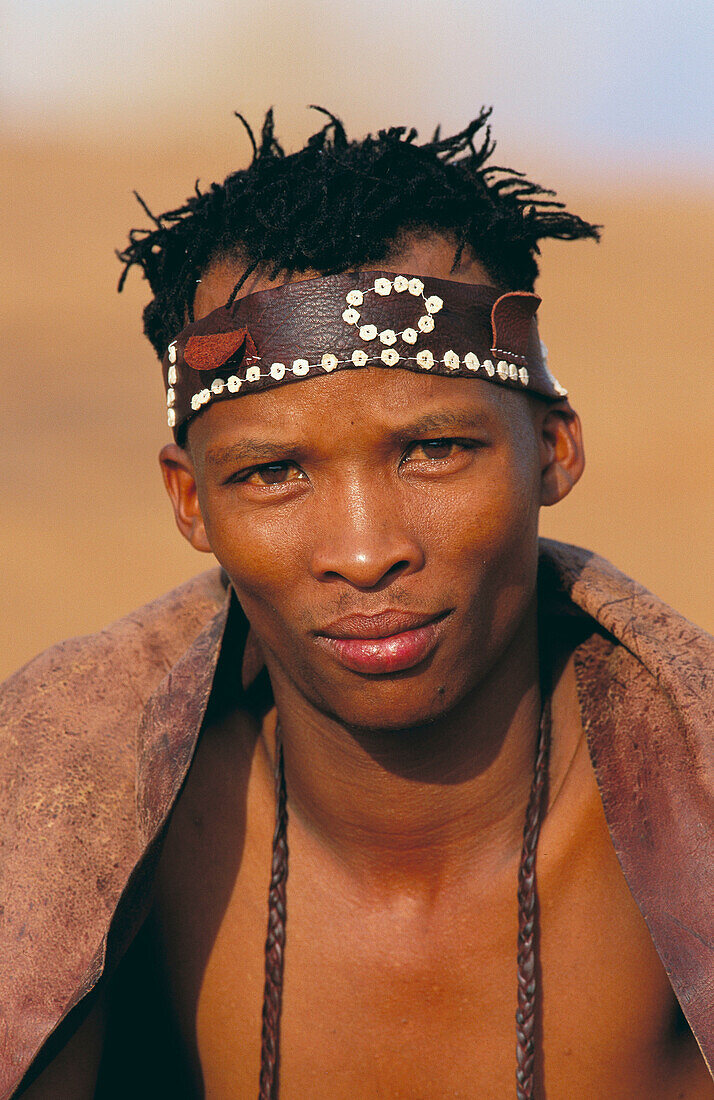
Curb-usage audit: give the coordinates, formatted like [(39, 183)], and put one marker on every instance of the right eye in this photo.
[(272, 473)]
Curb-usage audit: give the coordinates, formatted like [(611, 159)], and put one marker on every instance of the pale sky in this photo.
[(616, 86)]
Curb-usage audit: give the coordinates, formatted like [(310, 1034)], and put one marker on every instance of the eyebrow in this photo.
[(438, 421), (260, 450), (247, 450)]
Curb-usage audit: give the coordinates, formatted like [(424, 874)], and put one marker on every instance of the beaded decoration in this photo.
[(375, 346)]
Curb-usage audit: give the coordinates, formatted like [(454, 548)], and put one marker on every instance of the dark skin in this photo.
[(356, 493)]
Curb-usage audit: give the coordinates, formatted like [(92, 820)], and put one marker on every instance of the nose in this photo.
[(365, 538)]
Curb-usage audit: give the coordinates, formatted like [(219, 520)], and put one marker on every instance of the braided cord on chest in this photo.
[(275, 939), (527, 915), (527, 985)]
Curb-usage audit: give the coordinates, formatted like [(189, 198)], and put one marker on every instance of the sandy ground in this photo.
[(87, 531)]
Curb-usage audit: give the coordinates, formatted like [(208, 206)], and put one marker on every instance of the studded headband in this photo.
[(345, 322)]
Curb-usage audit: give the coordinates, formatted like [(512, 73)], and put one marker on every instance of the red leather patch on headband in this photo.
[(212, 351)]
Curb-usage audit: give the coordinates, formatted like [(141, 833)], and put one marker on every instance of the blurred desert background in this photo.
[(610, 105)]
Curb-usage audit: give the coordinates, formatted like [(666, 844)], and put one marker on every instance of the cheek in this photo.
[(263, 550), (489, 518), (484, 542)]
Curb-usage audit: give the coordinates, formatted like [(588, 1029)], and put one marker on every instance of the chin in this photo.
[(388, 704)]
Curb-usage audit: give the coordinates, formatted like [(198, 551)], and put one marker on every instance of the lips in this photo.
[(390, 641)]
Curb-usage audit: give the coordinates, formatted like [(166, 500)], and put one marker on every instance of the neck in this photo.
[(416, 807)]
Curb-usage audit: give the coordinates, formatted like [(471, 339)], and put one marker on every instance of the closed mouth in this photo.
[(389, 642)]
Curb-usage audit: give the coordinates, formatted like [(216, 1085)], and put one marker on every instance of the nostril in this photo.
[(395, 570)]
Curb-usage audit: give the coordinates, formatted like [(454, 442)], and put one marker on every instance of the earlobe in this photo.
[(562, 453), (180, 481)]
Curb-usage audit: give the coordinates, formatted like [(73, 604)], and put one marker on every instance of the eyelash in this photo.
[(444, 441), (244, 475)]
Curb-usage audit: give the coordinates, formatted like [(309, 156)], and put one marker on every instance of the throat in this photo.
[(412, 809)]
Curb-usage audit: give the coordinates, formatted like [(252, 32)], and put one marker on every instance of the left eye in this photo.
[(433, 448), (274, 473)]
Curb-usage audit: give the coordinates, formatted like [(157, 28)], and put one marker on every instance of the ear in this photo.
[(562, 456), (180, 481)]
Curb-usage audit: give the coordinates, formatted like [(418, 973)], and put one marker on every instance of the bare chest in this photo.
[(391, 997)]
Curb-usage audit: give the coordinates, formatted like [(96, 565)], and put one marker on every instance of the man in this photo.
[(389, 678)]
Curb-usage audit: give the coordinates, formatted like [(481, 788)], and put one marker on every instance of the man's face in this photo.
[(379, 526), (370, 492)]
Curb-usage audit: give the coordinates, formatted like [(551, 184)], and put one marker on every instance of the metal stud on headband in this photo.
[(313, 327)]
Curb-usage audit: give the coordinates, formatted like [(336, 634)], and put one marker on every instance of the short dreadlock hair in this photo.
[(338, 204)]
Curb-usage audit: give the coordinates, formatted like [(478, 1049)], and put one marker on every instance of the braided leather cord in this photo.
[(526, 1014), (275, 940)]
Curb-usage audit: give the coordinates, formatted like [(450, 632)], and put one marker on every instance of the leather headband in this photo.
[(309, 328)]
